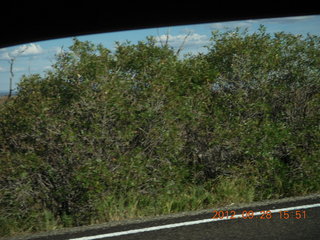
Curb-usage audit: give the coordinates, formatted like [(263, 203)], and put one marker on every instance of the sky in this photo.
[(37, 57)]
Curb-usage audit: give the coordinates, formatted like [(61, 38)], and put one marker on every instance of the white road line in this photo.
[(174, 225)]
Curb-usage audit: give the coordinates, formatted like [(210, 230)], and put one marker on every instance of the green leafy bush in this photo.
[(141, 131)]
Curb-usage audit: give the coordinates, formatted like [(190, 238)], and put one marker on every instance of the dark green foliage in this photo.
[(140, 131)]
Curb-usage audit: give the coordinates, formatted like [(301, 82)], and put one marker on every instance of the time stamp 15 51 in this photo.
[(250, 214)]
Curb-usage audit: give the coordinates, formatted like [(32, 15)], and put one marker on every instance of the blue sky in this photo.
[(39, 56)]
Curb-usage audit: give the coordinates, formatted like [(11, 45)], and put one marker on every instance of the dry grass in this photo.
[(3, 99)]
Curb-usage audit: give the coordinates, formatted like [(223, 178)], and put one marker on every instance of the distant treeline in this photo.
[(6, 93), (108, 135)]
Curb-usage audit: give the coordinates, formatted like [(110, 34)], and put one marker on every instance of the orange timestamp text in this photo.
[(265, 214)]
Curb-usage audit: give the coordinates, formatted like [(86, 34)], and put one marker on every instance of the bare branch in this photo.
[(11, 62), (159, 37), (165, 44), (167, 37), (183, 43)]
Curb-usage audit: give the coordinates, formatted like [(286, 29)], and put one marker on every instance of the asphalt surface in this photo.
[(300, 221)]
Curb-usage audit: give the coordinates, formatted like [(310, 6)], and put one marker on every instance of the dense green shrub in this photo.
[(142, 131)]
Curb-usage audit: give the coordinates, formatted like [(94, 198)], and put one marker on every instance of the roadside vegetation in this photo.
[(141, 131)]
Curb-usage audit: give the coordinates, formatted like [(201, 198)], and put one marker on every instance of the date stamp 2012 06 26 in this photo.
[(266, 214)]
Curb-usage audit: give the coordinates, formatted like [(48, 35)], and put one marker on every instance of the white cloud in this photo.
[(5, 56), (192, 39), (187, 30), (15, 69), (19, 69), (249, 23), (23, 50), (48, 67), (232, 25), (27, 50), (58, 50), (287, 20), (2, 69)]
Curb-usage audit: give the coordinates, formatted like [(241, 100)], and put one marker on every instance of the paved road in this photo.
[(297, 218)]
